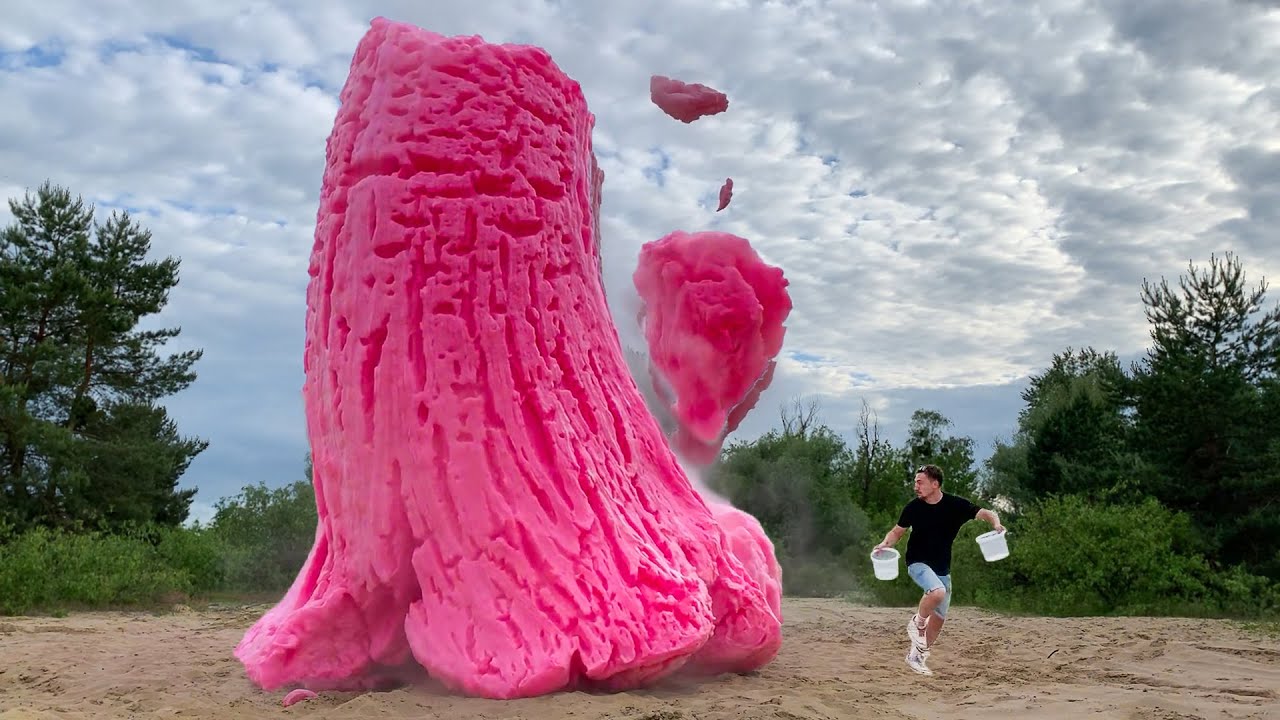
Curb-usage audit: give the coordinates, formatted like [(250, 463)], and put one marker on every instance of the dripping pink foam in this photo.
[(726, 194), (496, 504), (713, 314), (686, 102), (705, 452)]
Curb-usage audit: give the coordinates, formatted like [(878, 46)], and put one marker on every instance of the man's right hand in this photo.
[(881, 546)]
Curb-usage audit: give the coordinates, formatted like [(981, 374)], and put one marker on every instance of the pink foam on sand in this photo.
[(297, 696), (496, 504), (713, 314), (684, 101), (726, 194)]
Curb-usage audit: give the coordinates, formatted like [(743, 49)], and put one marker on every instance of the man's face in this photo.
[(925, 485)]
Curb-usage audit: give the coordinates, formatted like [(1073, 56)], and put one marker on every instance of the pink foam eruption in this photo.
[(712, 317), (496, 505), (684, 101)]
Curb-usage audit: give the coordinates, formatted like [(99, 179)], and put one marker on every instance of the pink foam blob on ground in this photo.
[(496, 504), (713, 320), (753, 549), (297, 696), (684, 101), (726, 194)]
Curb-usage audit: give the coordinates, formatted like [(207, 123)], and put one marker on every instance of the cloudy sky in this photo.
[(956, 190)]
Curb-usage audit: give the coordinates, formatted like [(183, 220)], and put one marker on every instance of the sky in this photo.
[(955, 190)]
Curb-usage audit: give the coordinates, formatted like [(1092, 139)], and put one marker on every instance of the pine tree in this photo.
[(1203, 396), (83, 442)]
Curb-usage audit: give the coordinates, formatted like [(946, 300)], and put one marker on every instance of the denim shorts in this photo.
[(927, 579)]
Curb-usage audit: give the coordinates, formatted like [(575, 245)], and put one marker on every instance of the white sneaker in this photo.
[(916, 634), (915, 659)]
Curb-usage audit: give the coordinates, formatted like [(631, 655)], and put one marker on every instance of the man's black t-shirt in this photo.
[(934, 528)]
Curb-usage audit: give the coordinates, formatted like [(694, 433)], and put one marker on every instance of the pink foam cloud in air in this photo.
[(713, 320), (496, 504), (684, 101)]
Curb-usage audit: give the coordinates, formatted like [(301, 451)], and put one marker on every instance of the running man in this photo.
[(935, 518)]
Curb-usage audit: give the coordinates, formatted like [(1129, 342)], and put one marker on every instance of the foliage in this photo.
[(256, 543), (1097, 558), (929, 443), (1073, 435), (1204, 399), (1154, 488), (1194, 425), (44, 568), (84, 444), (880, 486), (265, 535), (803, 484)]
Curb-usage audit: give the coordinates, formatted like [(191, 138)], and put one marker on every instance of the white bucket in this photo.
[(886, 563), (994, 546)]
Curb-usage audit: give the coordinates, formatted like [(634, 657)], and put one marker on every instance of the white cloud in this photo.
[(955, 191)]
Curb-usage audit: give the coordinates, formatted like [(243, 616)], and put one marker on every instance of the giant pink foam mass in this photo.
[(496, 504), (713, 314)]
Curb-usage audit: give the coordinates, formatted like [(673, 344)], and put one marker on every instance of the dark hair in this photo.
[(932, 471)]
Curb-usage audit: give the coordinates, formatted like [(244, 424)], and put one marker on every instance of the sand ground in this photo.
[(839, 661)]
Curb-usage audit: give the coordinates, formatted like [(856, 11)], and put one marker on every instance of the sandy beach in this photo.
[(839, 661)]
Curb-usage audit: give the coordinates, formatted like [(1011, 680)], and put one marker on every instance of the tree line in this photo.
[(1146, 487)]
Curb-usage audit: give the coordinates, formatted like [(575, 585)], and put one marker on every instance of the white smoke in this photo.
[(696, 477)]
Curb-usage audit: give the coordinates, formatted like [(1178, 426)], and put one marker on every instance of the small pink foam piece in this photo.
[(298, 696), (686, 102), (726, 194), (495, 502), (713, 314)]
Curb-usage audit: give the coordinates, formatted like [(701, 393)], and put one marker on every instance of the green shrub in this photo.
[(1073, 557), (43, 568), (197, 552), (257, 543), (265, 536), (1098, 558)]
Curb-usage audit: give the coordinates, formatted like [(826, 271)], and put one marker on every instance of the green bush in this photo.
[(1073, 557), (256, 543), (43, 568), (265, 536), (197, 552), (1097, 558)]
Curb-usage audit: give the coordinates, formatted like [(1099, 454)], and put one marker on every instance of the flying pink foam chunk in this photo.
[(726, 194), (713, 314), (496, 504), (684, 101)]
